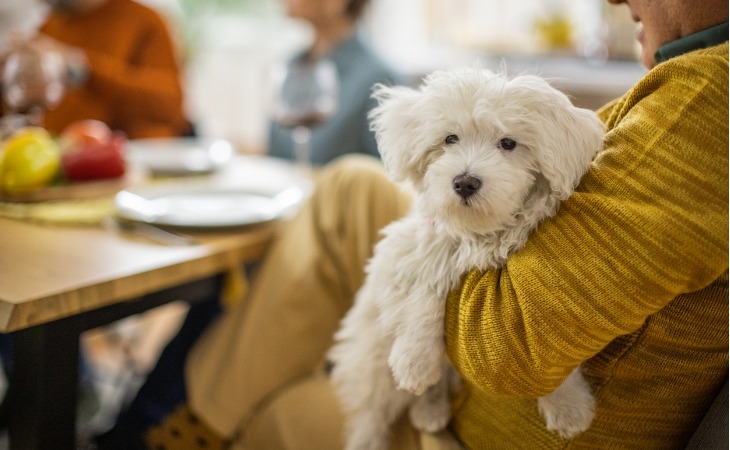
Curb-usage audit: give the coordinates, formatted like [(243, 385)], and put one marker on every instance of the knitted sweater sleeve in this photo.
[(648, 222)]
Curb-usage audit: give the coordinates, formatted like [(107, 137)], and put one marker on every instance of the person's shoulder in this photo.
[(709, 64), (133, 5), (694, 81), (369, 63), (714, 56), (699, 71), (718, 52), (140, 12)]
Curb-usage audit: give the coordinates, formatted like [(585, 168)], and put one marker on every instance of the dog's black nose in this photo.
[(466, 185)]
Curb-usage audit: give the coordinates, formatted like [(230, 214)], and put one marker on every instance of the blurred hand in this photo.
[(60, 61), (32, 77)]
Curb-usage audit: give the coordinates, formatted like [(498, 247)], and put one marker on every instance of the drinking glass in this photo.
[(31, 82), (306, 95)]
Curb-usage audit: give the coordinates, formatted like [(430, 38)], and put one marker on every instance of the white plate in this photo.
[(248, 190), (186, 205), (179, 156)]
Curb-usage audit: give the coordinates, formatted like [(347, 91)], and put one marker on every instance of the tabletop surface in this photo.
[(49, 272)]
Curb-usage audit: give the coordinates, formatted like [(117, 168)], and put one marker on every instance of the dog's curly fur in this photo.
[(489, 157)]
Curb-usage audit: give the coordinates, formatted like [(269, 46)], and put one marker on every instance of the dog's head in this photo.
[(480, 147)]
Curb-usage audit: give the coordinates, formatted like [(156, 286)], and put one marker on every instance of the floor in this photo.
[(120, 355)]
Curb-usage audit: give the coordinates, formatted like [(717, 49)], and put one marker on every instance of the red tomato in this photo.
[(86, 131), (95, 160)]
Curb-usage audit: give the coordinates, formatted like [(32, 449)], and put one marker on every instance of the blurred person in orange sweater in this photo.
[(120, 67)]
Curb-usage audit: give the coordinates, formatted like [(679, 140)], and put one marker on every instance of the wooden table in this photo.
[(56, 282)]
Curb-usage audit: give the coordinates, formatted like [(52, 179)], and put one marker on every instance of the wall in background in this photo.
[(582, 28)]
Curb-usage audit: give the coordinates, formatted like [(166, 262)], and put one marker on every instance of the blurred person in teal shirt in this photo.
[(358, 67)]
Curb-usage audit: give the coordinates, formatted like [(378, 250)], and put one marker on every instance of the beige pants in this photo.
[(256, 376)]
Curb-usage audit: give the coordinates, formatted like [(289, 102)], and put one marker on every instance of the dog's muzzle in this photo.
[(466, 185)]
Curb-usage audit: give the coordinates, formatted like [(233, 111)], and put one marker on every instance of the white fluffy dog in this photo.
[(489, 158)]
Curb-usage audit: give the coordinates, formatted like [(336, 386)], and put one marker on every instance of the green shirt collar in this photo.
[(702, 39)]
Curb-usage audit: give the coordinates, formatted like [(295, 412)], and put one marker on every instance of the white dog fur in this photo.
[(489, 157)]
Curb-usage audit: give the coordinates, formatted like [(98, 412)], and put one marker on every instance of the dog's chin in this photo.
[(468, 217)]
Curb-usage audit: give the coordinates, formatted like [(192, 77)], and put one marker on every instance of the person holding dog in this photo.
[(629, 280)]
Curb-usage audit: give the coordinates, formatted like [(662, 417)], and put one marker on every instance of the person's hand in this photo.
[(75, 64), (61, 61), (32, 78)]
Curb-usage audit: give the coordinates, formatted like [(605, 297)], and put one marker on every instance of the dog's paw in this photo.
[(567, 419), (367, 438), (430, 417), (415, 374), (569, 409)]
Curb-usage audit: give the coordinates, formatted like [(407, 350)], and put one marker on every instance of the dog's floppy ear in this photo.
[(574, 136), (395, 122)]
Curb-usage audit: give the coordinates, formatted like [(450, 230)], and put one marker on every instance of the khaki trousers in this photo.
[(256, 376)]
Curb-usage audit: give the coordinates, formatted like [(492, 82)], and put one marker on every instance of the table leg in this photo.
[(44, 388)]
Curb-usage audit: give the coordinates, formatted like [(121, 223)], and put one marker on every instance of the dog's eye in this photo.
[(451, 139), (507, 144)]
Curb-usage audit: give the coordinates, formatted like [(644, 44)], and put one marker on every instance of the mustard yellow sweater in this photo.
[(629, 278)]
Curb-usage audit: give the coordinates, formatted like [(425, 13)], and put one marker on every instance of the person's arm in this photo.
[(648, 222), (148, 88)]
